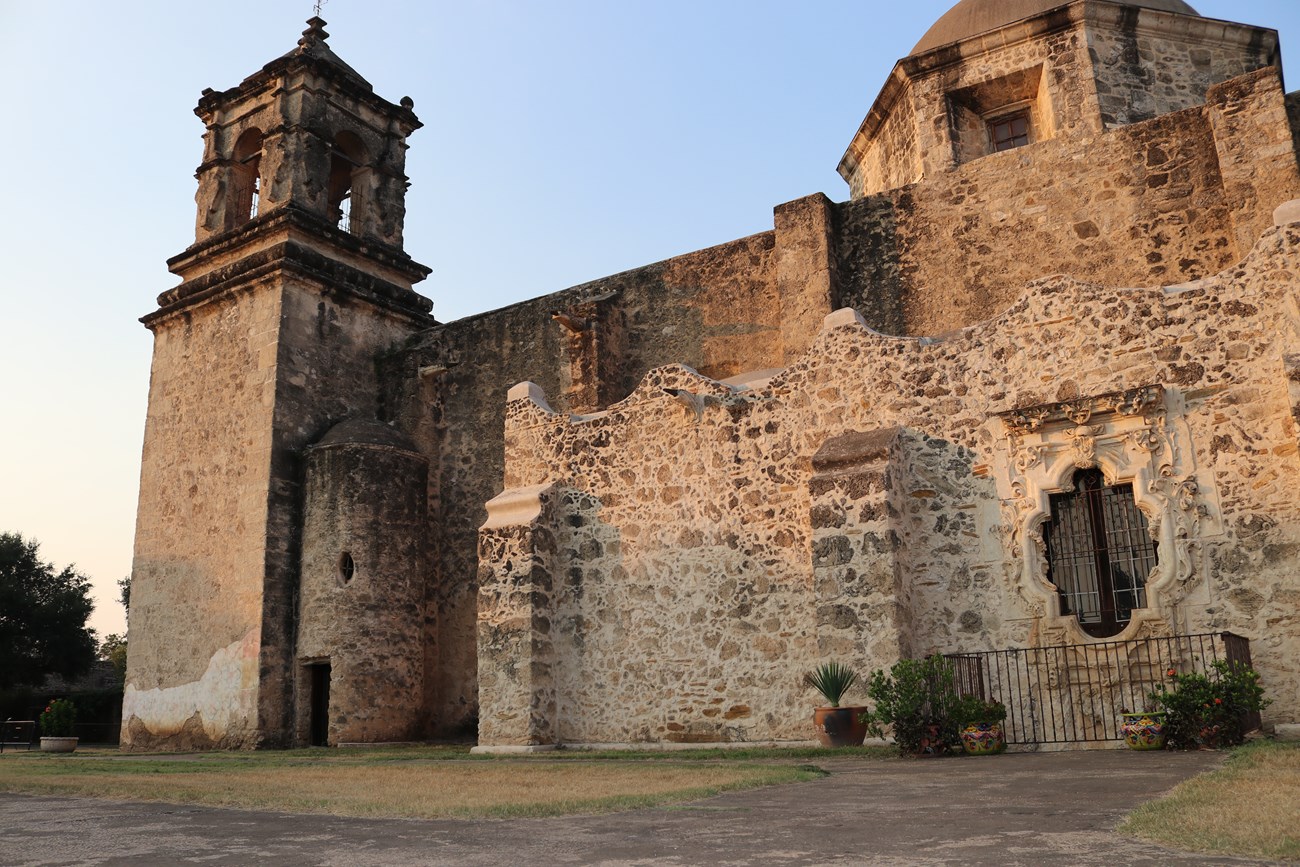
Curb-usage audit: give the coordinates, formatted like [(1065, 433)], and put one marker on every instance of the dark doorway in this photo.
[(320, 704)]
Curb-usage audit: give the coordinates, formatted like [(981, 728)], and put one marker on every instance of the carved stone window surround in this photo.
[(1137, 436)]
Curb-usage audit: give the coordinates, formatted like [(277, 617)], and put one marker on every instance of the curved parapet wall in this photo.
[(704, 544)]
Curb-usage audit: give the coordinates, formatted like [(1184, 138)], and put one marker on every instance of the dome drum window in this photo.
[(1000, 114)]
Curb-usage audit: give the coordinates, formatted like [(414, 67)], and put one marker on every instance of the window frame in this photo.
[(1014, 141), (1115, 534)]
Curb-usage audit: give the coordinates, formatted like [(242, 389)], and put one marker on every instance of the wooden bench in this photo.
[(17, 733)]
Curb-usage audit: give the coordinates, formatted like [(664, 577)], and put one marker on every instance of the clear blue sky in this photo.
[(563, 141)]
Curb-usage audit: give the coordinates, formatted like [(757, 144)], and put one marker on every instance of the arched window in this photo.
[(347, 167), (1099, 553), (245, 178)]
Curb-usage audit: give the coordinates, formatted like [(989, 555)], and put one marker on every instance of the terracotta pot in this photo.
[(1144, 731), (58, 745), (983, 738), (840, 726)]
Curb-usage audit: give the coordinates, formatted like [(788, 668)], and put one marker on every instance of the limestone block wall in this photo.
[(708, 521), (244, 378), (859, 589), (196, 592), (516, 601), (1144, 71), (1175, 198), (914, 121), (327, 352), (737, 307)]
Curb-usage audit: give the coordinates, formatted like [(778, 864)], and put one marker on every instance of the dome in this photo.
[(365, 432), (973, 17)]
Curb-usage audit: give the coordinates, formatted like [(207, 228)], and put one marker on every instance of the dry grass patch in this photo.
[(371, 786), (1249, 807)]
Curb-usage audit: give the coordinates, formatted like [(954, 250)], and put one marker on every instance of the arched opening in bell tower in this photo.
[(245, 178), (348, 166)]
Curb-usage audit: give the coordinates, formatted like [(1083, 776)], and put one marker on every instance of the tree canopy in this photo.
[(43, 615)]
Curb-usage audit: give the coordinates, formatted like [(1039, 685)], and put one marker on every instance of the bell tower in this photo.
[(296, 283)]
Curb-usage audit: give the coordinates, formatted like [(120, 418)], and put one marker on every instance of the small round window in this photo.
[(347, 568)]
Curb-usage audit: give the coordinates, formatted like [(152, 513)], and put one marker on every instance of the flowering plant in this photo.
[(58, 719), (1205, 710)]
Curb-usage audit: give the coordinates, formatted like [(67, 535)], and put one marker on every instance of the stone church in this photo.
[(1031, 392)]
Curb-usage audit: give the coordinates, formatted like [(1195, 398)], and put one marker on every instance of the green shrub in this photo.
[(917, 700), (973, 709), (59, 719), (1205, 710), (832, 680)]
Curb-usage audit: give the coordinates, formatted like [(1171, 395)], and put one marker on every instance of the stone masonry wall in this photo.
[(1171, 199), (329, 347), (242, 384), (366, 500), (193, 659), (719, 308), (1143, 73), (1069, 98), (706, 517)]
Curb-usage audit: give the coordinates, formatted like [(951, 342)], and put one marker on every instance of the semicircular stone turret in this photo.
[(366, 432)]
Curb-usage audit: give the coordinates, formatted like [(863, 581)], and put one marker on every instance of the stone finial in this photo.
[(1286, 213), (315, 33)]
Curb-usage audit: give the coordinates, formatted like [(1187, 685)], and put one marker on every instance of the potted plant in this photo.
[(916, 700), (57, 726), (1206, 710), (1143, 730), (979, 725), (836, 726)]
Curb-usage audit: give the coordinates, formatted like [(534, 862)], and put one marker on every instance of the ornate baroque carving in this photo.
[(1128, 435)]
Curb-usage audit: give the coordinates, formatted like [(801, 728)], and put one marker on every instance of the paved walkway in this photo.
[(1024, 809)]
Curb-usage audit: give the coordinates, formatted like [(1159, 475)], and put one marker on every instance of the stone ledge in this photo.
[(512, 750), (1289, 732)]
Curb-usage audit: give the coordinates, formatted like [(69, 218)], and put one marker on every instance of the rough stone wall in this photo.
[(893, 160), (857, 547), (242, 384), (1167, 200), (366, 501), (720, 308), (1066, 95), (196, 593), (328, 351), (299, 132), (1143, 72), (708, 493)]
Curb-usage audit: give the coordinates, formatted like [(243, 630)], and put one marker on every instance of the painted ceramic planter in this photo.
[(983, 739), (58, 745), (1144, 731), (840, 726)]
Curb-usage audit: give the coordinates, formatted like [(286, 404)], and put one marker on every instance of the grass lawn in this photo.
[(412, 782), (1251, 806)]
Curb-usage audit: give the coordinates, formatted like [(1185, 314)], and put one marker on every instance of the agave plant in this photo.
[(832, 680)]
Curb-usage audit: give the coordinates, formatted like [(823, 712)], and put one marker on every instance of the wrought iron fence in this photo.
[(1074, 693)]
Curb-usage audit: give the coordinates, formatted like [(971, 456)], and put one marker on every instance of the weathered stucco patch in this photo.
[(225, 698)]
